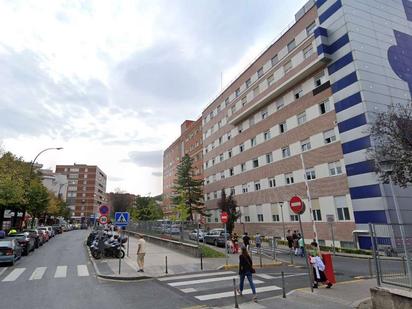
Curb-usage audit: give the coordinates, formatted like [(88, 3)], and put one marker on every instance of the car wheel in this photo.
[(26, 252), (215, 242)]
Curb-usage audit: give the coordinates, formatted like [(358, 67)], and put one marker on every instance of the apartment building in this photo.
[(189, 142), (86, 189), (295, 123)]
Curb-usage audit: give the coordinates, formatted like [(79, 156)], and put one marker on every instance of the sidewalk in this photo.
[(348, 294)]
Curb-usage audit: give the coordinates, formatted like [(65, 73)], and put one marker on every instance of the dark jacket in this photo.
[(245, 264), (246, 240)]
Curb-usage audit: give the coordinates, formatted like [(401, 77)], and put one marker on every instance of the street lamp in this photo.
[(387, 167), (283, 221)]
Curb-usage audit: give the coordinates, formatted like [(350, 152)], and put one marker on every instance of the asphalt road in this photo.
[(59, 275)]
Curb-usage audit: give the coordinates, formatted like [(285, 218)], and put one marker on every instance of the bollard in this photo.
[(283, 285), (370, 267), (291, 257), (260, 257), (234, 291), (201, 261), (166, 264), (403, 265)]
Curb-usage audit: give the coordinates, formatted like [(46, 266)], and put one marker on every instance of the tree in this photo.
[(229, 205), (38, 199), (391, 135), (120, 201), (188, 189), (146, 209)]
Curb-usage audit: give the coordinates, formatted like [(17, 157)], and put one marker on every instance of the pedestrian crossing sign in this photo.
[(121, 218)]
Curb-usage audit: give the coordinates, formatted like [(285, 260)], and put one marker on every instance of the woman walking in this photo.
[(318, 267), (246, 270)]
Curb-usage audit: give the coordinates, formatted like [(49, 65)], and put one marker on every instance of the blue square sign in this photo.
[(121, 218)]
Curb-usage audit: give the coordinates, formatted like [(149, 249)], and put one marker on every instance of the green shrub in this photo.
[(208, 252)]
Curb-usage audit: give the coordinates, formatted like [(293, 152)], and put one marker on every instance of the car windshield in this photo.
[(5, 243)]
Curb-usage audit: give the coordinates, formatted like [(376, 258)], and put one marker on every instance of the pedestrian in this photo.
[(290, 241), (246, 241), (246, 270), (141, 252), (258, 241), (235, 241), (301, 246), (318, 267), (295, 242)]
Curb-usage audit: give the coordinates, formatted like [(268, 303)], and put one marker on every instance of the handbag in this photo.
[(252, 270)]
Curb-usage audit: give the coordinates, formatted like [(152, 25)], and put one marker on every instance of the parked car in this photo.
[(193, 234), (38, 240), (26, 241), (10, 250), (46, 230), (44, 235), (173, 229), (216, 237), (57, 229), (52, 233)]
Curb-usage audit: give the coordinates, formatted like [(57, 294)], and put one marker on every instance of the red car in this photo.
[(44, 235)]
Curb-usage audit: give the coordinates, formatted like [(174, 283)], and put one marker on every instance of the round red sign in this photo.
[(224, 217), (297, 205), (103, 219)]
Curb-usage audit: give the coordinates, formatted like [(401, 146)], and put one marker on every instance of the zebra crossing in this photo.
[(45, 273), (218, 285)]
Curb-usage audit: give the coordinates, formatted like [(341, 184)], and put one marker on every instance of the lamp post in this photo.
[(283, 221)]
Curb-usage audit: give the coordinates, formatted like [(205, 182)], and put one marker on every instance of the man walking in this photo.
[(141, 251), (246, 241), (290, 241)]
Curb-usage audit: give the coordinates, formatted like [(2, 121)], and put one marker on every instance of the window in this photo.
[(275, 218), (269, 158), (257, 186), (213, 161), (260, 72), (286, 152), (289, 179), (252, 121), (291, 45), (282, 127), (243, 101), (253, 142), (216, 220), (255, 163), (207, 164), (335, 168), (329, 136), (229, 153), (244, 188), (233, 109), (260, 217), (237, 92), (266, 135), (243, 167), (294, 218), (218, 108), (279, 104), (239, 129), (302, 118), (207, 196), (232, 191), (231, 172), (318, 79), (298, 93), (270, 80), (287, 66), (215, 194), (241, 147), (341, 208), (247, 219), (74, 169), (221, 157), (305, 145), (307, 51), (227, 101), (324, 107), (222, 175), (248, 82), (272, 182), (256, 91), (220, 140), (264, 113), (274, 60), (219, 124), (317, 216), (310, 28), (310, 174)]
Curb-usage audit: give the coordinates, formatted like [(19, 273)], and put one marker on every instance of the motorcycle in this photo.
[(106, 247)]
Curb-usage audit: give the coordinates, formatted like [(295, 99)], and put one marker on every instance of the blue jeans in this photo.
[(250, 279)]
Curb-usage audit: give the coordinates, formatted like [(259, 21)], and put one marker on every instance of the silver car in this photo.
[(193, 234)]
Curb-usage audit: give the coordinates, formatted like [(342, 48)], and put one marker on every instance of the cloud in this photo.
[(146, 158), (115, 179), (157, 174)]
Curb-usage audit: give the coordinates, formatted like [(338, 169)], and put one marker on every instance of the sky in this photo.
[(111, 81)]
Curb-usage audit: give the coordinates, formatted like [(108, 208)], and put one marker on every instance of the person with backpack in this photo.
[(246, 270), (318, 267)]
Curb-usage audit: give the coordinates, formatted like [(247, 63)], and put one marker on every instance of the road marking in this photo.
[(196, 275), (208, 280), (61, 272), (230, 293), (82, 271), (38, 273), (188, 290), (14, 274), (3, 270), (265, 276)]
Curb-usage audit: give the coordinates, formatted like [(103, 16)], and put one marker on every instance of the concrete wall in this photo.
[(387, 298)]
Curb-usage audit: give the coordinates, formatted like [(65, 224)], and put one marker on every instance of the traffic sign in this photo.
[(121, 218), (297, 205), (104, 210), (224, 217), (103, 219)]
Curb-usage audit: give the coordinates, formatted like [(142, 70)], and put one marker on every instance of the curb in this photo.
[(235, 266), (112, 277)]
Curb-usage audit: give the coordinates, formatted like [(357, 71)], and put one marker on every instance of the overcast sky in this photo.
[(111, 81)]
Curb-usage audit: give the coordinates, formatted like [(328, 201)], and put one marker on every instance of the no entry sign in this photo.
[(297, 205), (224, 217)]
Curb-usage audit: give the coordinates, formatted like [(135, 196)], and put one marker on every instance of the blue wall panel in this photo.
[(367, 191)]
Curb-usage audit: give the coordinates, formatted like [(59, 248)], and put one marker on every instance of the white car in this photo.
[(193, 234), (48, 229)]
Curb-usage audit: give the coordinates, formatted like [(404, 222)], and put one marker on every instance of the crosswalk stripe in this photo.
[(3, 270), (14, 274), (230, 293), (38, 273), (208, 280), (61, 272), (188, 290), (264, 276), (196, 275), (82, 271)]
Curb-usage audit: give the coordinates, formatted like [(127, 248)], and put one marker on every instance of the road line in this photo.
[(188, 290), (61, 272), (3, 270), (230, 293), (265, 276), (208, 280), (14, 274), (38, 273), (196, 275), (82, 271)]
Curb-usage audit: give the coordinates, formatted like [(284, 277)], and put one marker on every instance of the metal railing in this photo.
[(392, 251)]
